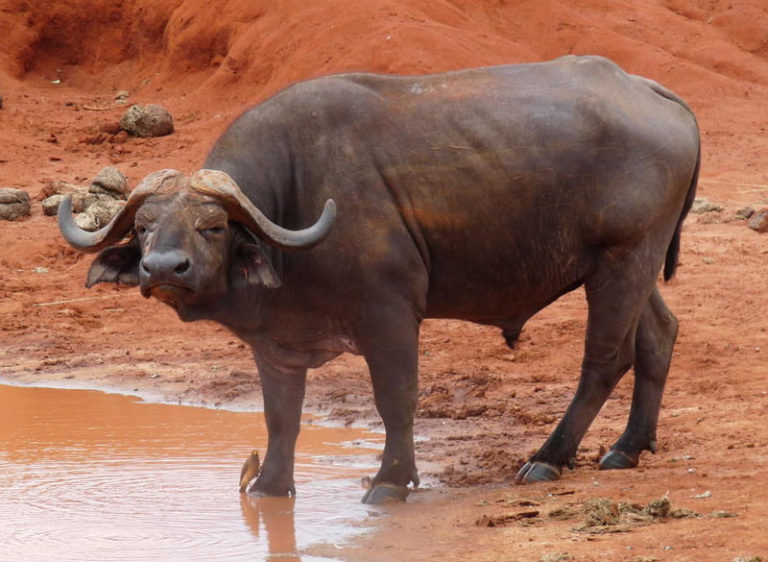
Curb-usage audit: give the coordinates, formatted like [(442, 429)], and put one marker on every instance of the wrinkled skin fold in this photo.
[(482, 195)]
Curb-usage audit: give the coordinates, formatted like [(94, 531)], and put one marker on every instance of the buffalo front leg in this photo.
[(392, 357), (654, 341), (616, 296), (283, 399)]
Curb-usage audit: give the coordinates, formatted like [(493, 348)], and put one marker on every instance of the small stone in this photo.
[(122, 96), (41, 270), (110, 181), (59, 187), (101, 211), (556, 557), (703, 205), (86, 222), (759, 221), (81, 200), (14, 204), (1, 101), (708, 218), (147, 121), (51, 204), (745, 213), (722, 514)]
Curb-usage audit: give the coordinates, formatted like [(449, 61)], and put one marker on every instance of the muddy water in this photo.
[(92, 476)]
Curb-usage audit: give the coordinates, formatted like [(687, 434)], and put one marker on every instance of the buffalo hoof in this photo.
[(616, 459), (255, 492), (537, 472), (385, 493), (260, 490)]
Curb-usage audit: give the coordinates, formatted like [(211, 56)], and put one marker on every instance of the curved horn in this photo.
[(221, 186), (120, 224)]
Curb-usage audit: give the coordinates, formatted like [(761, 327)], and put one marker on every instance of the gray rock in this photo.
[(745, 213), (86, 222), (103, 210), (95, 207), (59, 187), (54, 192), (703, 205), (82, 199), (51, 204), (147, 121), (110, 181), (14, 204), (709, 218), (98, 213), (759, 221)]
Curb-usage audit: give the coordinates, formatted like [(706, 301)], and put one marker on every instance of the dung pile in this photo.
[(150, 120), (14, 204), (95, 205), (597, 515), (602, 515)]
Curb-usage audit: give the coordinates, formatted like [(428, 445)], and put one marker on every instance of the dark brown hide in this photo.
[(482, 195)]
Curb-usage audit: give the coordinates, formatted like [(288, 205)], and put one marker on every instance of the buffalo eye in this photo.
[(211, 230)]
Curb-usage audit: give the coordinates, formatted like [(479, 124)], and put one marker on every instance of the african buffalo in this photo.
[(481, 195)]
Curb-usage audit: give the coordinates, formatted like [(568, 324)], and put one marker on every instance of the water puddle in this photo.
[(91, 476)]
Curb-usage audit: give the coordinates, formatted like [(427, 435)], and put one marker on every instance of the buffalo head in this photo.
[(187, 240)]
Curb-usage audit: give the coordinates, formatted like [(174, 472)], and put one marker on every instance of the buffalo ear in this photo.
[(250, 267), (116, 264)]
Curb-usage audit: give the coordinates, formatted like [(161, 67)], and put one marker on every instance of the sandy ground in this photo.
[(483, 408)]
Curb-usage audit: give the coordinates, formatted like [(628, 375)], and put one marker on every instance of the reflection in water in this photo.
[(277, 515), (92, 476)]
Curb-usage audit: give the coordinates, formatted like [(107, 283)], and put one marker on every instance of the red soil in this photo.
[(484, 407)]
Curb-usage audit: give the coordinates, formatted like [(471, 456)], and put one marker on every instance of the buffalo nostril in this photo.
[(183, 267), (165, 265)]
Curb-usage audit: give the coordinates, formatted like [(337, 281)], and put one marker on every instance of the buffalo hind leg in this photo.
[(283, 399), (616, 296), (390, 347), (655, 338)]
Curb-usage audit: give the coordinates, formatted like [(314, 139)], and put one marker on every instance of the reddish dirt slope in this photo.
[(484, 407)]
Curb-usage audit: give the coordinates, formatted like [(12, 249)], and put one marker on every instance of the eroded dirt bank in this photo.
[(484, 407)]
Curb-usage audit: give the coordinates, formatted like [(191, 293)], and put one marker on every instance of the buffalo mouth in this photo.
[(168, 293)]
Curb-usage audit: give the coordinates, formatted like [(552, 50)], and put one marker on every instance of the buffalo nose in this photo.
[(165, 265)]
